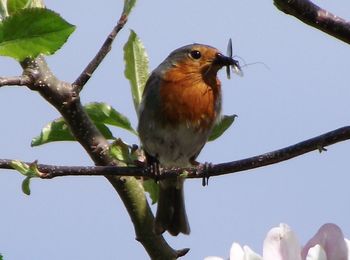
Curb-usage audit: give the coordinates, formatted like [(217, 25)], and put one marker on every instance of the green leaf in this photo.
[(30, 32), (58, 130), (1, 257), (16, 5), (152, 188), (28, 170), (105, 131), (26, 186), (222, 126), (128, 6), (36, 3), (21, 167), (136, 67), (103, 113), (121, 151)]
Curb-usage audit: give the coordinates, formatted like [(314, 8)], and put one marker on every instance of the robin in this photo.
[(181, 103)]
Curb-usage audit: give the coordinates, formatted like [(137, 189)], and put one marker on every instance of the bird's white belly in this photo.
[(175, 146)]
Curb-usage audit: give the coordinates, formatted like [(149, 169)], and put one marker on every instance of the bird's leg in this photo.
[(155, 170), (153, 167), (204, 168)]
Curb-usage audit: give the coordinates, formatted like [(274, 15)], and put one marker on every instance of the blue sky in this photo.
[(304, 93)]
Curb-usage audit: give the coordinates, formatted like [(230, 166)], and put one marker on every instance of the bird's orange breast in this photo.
[(189, 98)]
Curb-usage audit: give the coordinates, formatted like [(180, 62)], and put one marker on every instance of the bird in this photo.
[(180, 105)]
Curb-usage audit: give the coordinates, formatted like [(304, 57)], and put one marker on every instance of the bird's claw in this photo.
[(153, 171), (321, 149), (204, 169)]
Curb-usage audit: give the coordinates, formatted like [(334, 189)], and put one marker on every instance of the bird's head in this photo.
[(196, 60)]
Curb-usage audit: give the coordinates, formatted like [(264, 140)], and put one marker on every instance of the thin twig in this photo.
[(101, 54), (313, 15), (316, 143), (15, 81), (52, 171)]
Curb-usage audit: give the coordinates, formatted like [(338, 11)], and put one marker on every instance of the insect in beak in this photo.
[(234, 64)]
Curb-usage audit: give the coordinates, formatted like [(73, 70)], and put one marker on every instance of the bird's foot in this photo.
[(154, 171), (204, 169)]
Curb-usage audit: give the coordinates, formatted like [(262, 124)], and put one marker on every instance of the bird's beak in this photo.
[(222, 60)]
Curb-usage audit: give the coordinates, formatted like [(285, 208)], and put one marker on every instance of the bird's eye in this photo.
[(196, 54)]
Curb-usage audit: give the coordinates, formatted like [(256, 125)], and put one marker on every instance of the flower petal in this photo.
[(347, 242), (245, 253), (213, 258), (281, 244), (331, 239), (250, 254), (236, 252), (316, 253)]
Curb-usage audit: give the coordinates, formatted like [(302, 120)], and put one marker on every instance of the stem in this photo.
[(313, 15), (15, 81), (101, 54), (317, 143)]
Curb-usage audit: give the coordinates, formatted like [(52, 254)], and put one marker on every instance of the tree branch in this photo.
[(15, 81), (101, 54), (316, 143), (66, 100), (313, 15)]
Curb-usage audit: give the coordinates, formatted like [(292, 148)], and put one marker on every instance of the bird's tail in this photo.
[(171, 212)]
